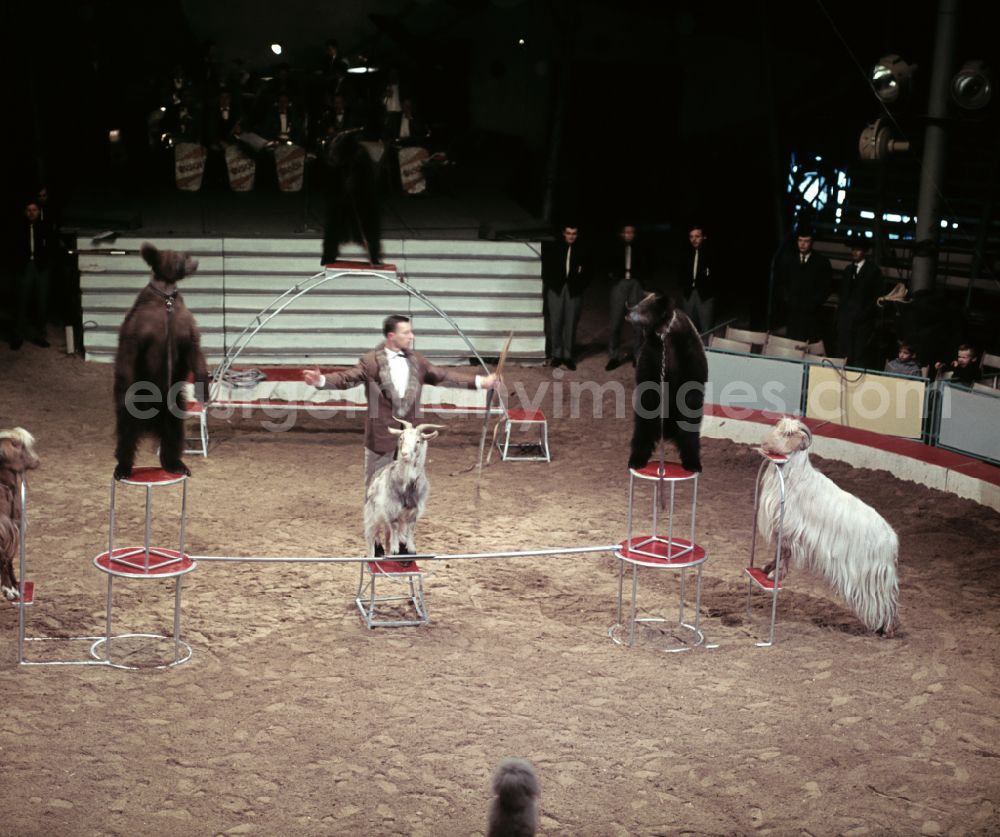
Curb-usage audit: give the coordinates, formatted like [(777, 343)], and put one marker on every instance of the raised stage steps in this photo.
[(489, 288)]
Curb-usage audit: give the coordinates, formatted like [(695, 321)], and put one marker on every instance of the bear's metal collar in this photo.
[(168, 298)]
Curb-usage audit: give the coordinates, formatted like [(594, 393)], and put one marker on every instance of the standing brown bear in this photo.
[(670, 375), (158, 348)]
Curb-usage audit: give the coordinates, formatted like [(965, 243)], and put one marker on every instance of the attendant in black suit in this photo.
[(804, 279), (564, 277), (698, 281), (627, 267), (31, 278), (857, 311)]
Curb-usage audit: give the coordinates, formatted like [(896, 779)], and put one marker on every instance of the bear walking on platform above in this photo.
[(352, 206), (159, 346), (671, 361)]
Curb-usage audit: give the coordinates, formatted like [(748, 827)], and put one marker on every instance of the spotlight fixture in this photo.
[(114, 135), (972, 86), (876, 142), (276, 49), (890, 78)]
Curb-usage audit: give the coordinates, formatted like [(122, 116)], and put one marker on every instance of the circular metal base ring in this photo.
[(619, 634), (183, 646)]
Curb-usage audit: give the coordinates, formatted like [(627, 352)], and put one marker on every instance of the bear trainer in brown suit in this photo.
[(158, 347)]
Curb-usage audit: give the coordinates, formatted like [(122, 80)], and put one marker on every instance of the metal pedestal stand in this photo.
[(143, 563), (660, 552), (392, 572), (755, 575)]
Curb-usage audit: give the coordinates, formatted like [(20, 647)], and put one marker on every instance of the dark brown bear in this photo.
[(352, 207), (672, 361), (158, 348)]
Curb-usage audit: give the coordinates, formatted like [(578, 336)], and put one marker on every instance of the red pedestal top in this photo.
[(776, 458), (519, 414), (158, 564), (148, 475), (29, 595), (658, 553), (757, 574), (671, 471), (390, 567)]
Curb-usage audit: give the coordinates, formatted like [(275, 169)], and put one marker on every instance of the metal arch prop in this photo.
[(300, 289)]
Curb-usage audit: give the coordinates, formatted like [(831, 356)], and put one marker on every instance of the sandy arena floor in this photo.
[(292, 718)]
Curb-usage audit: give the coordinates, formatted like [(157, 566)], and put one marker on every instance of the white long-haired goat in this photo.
[(830, 531), (397, 495)]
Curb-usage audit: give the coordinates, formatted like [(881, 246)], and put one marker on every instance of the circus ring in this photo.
[(292, 718)]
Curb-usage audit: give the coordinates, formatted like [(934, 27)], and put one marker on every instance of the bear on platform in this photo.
[(671, 360), (352, 205), (159, 346)]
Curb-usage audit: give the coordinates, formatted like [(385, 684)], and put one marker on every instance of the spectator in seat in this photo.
[(905, 362), (964, 368)]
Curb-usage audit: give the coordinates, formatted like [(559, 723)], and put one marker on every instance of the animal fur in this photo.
[(514, 809), (829, 531), (158, 347), (397, 495), (665, 328), (352, 206), (17, 455)]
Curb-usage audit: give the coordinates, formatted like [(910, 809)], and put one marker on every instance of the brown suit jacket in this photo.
[(383, 401)]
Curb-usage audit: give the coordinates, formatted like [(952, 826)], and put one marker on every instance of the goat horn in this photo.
[(808, 432), (420, 428), (403, 422)]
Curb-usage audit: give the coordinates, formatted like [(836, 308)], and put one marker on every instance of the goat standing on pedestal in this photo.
[(397, 495), (830, 531)]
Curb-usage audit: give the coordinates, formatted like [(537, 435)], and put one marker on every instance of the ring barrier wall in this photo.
[(968, 421), (940, 414), (753, 382), (883, 403)]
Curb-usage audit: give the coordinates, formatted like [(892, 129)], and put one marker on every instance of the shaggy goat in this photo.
[(17, 455), (397, 495), (514, 809), (830, 531)]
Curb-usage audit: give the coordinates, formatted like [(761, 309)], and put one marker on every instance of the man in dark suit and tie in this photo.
[(804, 280), (31, 280), (857, 310), (627, 267), (564, 278), (698, 281)]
